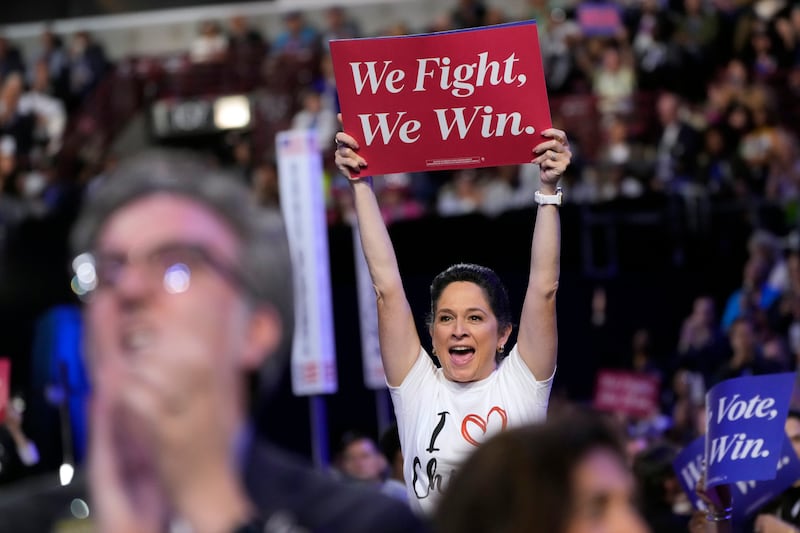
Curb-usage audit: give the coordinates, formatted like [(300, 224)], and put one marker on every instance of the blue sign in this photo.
[(745, 420), (688, 466), (748, 496)]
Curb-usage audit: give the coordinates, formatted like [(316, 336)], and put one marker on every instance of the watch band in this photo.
[(548, 199)]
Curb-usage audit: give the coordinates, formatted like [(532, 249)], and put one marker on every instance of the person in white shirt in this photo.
[(447, 402)]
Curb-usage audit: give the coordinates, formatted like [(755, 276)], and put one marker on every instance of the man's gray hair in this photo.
[(265, 260)]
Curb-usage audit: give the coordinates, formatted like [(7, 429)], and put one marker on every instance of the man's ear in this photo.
[(263, 337)]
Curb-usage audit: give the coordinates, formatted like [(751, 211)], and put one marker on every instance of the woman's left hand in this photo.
[(553, 156)]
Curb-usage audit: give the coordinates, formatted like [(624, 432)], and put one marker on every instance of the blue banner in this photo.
[(748, 496), (745, 420), (688, 466)]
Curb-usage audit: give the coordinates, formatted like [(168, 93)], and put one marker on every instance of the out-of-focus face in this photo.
[(603, 496), (742, 336), (667, 108), (178, 322), (611, 59), (704, 309), (8, 163), (792, 428), (238, 24), (465, 334), (79, 44), (312, 102), (361, 460), (294, 24)]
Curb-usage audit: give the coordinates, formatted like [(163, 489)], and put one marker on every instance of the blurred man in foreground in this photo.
[(188, 295)]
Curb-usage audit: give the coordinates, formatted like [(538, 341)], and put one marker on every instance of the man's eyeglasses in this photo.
[(171, 264)]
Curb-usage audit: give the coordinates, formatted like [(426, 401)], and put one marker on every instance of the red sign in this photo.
[(630, 393), (5, 385), (446, 100)]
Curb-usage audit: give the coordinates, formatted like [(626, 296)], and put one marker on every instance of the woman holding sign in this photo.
[(445, 410)]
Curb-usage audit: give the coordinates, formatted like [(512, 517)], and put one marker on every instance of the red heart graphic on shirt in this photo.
[(473, 419)]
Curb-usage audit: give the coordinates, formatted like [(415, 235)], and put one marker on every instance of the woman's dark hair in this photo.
[(483, 277), (521, 478)]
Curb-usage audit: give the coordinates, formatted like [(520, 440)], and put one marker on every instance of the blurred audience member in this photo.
[(687, 406), (701, 342), (389, 443), (10, 58), (18, 454), (782, 515), (53, 53), (298, 39), (16, 122), (359, 460), (210, 45), (339, 25), (188, 316), (88, 64), (397, 199), (677, 145), (48, 110), (506, 188), (755, 297), (614, 80), (264, 184), (567, 474), (246, 51), (649, 28), (559, 35), (238, 156), (461, 194), (665, 505), (747, 355), (468, 14), (719, 165), (244, 40), (325, 84), (696, 29), (314, 116), (759, 145)]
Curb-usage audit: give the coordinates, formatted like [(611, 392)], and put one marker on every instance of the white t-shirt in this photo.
[(441, 422)]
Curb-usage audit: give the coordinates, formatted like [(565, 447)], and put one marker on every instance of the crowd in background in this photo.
[(694, 100), (691, 98)]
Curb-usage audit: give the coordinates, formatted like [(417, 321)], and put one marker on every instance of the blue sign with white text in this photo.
[(745, 420), (748, 496), (688, 466)]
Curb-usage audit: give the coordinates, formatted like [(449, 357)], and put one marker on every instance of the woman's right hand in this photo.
[(346, 156)]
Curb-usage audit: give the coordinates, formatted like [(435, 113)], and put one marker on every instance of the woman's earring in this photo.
[(501, 348)]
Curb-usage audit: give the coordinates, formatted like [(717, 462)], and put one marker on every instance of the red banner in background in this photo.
[(5, 385), (599, 19), (446, 100), (630, 393)]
